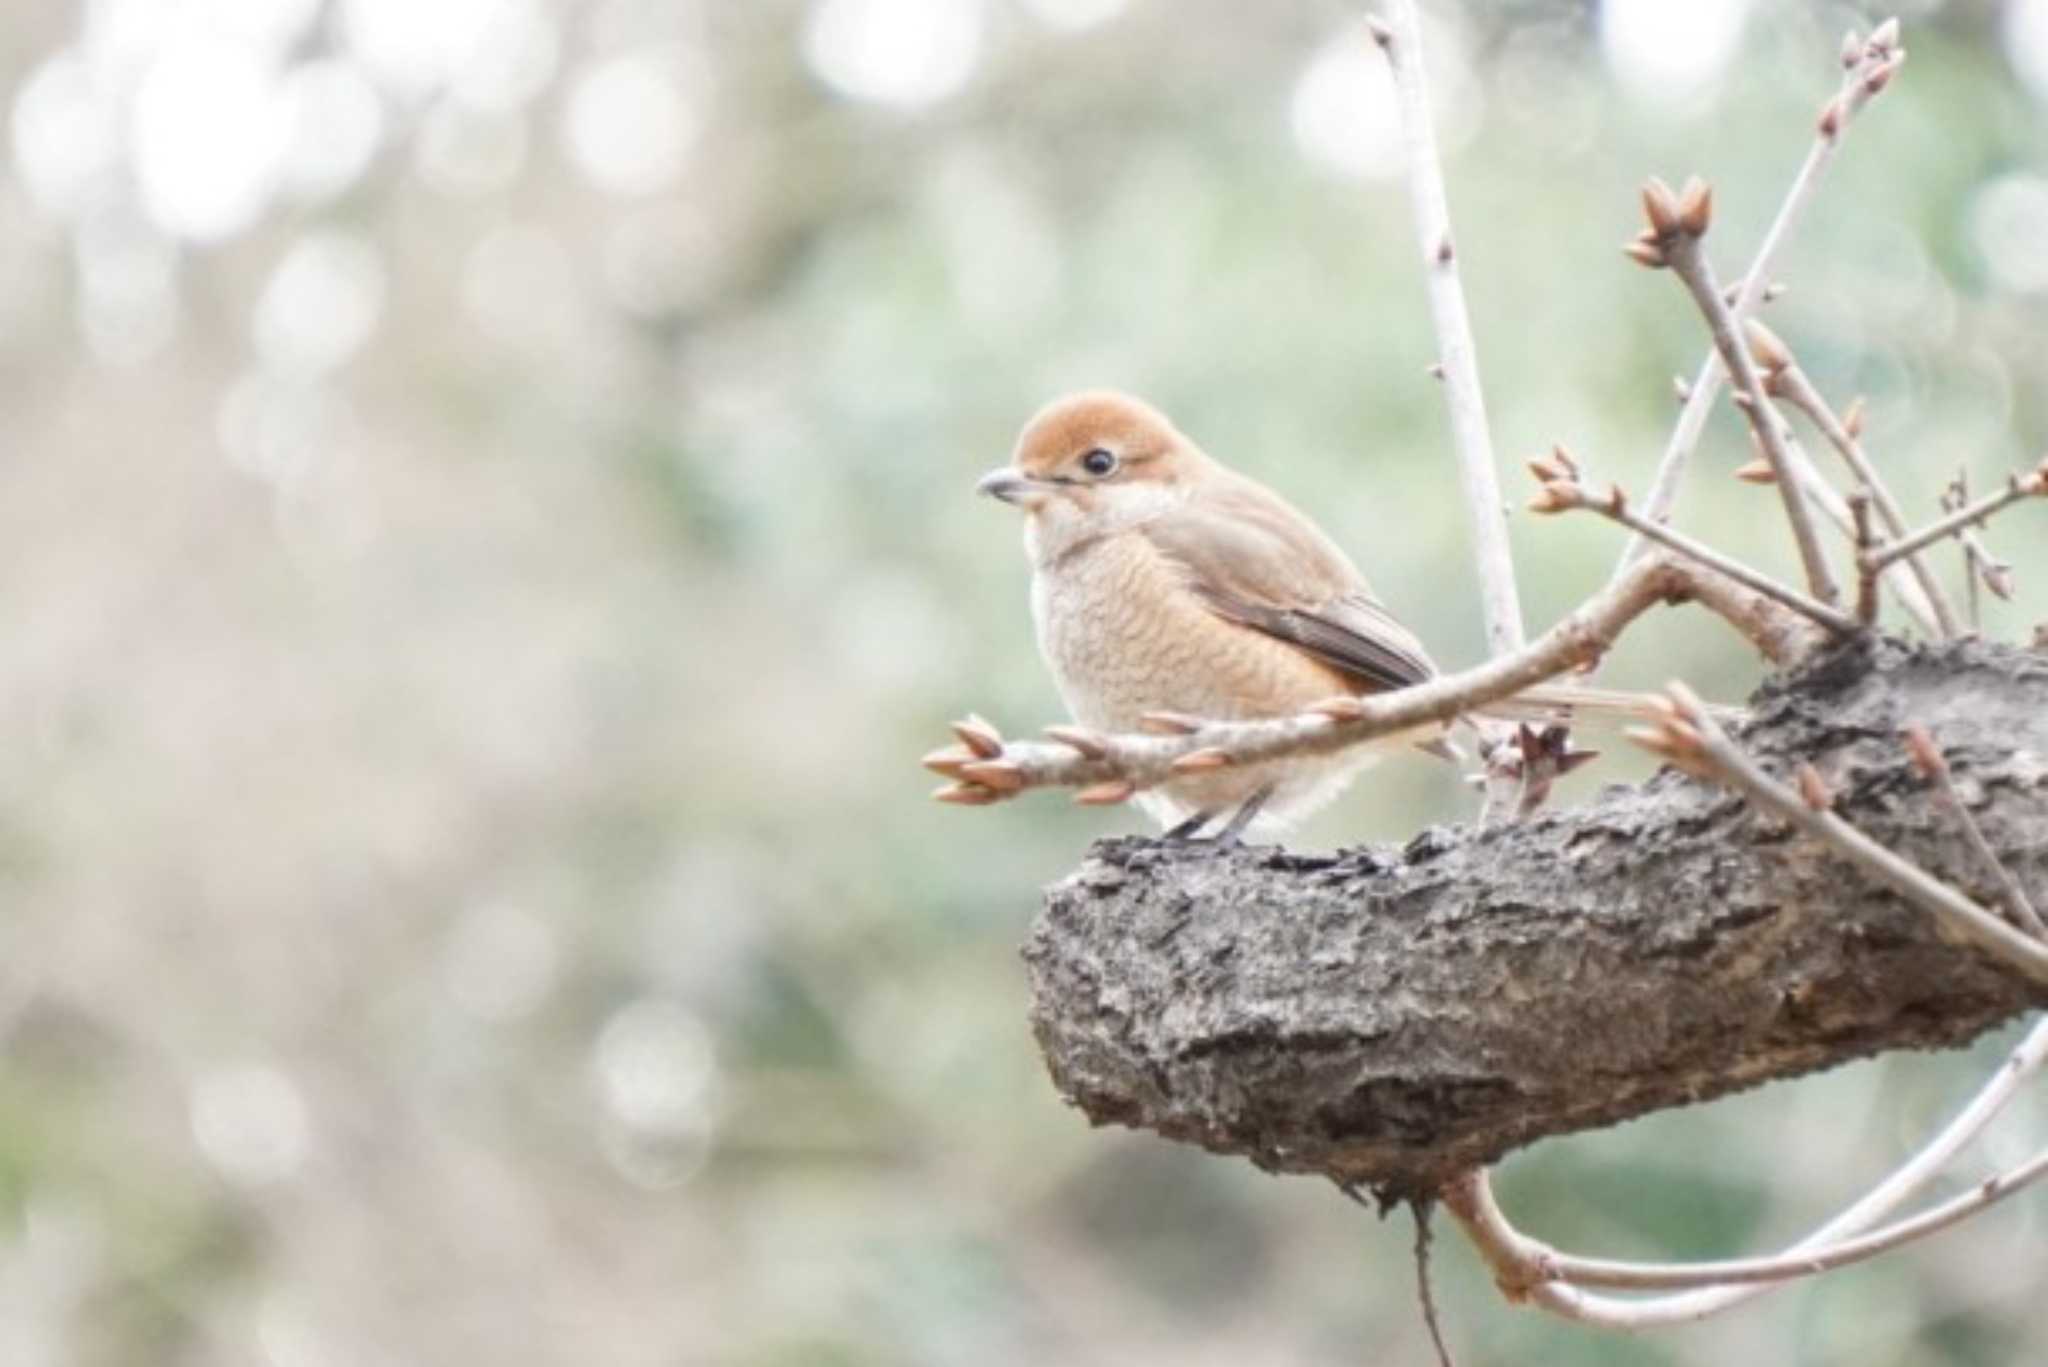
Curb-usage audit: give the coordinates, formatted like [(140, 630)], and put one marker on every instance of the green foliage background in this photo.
[(468, 891)]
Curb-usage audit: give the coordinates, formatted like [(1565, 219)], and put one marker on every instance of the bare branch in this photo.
[(1682, 251), (1400, 37), (1109, 769), (2033, 484), (1522, 1264), (1866, 577), (1855, 92), (1787, 380), (1564, 495)]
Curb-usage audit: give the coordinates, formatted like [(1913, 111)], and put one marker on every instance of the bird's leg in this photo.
[(1189, 829), (1243, 816)]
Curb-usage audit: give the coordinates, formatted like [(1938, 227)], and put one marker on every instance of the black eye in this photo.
[(1098, 462)]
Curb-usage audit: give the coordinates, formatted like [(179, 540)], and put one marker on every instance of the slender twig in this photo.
[(1682, 251), (1785, 378), (2033, 484), (1933, 766), (1694, 740), (1564, 494), (1866, 577), (1955, 496), (1623, 1275), (1836, 509), (985, 768), (1421, 1210), (1862, 63), (1984, 567), (1522, 1264), (1400, 37)]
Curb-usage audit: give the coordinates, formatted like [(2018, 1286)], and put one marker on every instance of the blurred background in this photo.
[(486, 521)]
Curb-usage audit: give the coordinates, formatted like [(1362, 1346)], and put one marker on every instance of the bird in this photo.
[(1164, 580)]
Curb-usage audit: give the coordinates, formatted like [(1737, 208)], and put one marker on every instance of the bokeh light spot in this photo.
[(655, 1067), (1671, 54), (1076, 14), (631, 123), (320, 304), (66, 136), (250, 1121), (899, 52), (2009, 227), (207, 134)]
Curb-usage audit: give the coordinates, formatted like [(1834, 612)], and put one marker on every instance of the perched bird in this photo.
[(1163, 580)]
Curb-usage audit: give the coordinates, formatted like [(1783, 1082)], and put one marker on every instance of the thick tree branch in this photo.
[(1390, 1018)]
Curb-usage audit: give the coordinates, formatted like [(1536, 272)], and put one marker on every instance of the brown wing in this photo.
[(1257, 562)]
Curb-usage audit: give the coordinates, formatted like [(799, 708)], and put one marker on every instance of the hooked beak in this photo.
[(1009, 486)]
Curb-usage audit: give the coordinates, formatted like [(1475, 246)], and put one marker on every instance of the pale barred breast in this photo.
[(1124, 636)]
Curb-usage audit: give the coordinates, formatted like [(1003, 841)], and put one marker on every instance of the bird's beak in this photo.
[(1011, 487)]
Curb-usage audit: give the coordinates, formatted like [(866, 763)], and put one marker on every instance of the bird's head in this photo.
[(1093, 463)]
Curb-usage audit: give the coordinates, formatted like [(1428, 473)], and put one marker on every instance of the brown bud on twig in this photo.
[(949, 761), (1676, 743), (1743, 401), (1925, 754), (1169, 723), (1813, 789), (1695, 206), (1884, 37), (1445, 253), (1773, 292), (977, 735), (1830, 125), (1852, 50), (1000, 774), (1681, 387), (1758, 471), (1616, 500), (1998, 578), (1556, 496), (1660, 206), (1560, 453), (1852, 418), (1087, 744), (1201, 761), (1881, 77), (1105, 794), (1435, 370), (966, 795), (1341, 708), (1765, 346), (1645, 252), (1381, 34)]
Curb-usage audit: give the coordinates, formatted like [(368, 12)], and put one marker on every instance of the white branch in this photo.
[(1401, 40)]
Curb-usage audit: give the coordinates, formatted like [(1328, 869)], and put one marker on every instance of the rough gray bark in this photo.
[(1387, 1017)]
